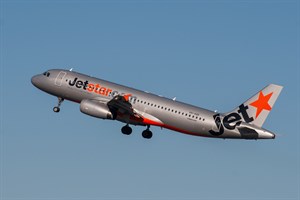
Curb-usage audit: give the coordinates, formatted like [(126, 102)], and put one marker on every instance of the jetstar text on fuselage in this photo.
[(97, 88), (231, 120)]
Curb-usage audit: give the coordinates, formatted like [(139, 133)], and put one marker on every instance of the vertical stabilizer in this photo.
[(259, 106)]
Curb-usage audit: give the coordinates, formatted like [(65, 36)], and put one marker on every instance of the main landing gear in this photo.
[(147, 134), (56, 108), (127, 130)]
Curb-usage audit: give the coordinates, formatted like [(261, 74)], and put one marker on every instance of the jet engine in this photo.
[(96, 109)]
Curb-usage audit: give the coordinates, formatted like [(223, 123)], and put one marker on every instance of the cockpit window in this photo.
[(46, 74)]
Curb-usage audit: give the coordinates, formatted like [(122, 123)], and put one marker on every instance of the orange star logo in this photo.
[(126, 96), (262, 103)]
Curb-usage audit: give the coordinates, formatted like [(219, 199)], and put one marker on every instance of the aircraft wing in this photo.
[(122, 105), (124, 108)]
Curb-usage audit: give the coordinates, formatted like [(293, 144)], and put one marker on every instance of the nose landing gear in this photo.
[(56, 108)]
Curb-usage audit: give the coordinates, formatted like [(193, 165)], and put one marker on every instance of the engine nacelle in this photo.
[(96, 109)]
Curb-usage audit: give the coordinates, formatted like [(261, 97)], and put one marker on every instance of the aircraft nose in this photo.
[(35, 80)]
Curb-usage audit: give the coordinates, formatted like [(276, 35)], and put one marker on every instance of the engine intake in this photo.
[(96, 109)]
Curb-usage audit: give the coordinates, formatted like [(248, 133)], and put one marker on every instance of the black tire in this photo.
[(147, 134), (56, 109), (126, 130)]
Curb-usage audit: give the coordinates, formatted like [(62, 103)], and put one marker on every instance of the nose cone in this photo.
[(36, 80)]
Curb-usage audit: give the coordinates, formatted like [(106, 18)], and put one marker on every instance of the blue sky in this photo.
[(212, 54)]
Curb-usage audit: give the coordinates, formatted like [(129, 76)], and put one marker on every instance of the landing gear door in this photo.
[(59, 78)]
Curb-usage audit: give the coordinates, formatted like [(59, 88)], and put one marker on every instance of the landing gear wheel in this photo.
[(126, 130), (147, 134), (56, 109)]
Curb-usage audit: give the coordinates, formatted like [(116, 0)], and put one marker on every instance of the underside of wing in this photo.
[(127, 114)]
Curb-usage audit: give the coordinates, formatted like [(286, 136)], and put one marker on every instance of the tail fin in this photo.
[(256, 109)]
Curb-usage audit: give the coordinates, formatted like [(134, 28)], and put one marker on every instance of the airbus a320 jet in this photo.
[(106, 100)]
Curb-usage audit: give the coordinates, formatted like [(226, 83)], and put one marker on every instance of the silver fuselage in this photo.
[(159, 111)]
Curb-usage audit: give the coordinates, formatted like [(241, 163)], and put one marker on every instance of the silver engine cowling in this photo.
[(96, 109)]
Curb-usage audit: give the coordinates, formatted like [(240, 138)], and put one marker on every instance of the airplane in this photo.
[(106, 100)]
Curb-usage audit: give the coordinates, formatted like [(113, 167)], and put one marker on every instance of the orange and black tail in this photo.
[(256, 109)]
